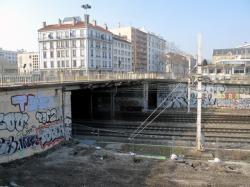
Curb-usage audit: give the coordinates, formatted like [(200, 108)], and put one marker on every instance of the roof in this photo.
[(64, 26), (120, 38)]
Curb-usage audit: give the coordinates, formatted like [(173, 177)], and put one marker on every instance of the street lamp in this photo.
[(86, 7)]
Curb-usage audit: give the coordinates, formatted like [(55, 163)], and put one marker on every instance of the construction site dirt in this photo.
[(78, 164)]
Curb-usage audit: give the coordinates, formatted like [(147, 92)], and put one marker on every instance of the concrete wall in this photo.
[(32, 121), (214, 96)]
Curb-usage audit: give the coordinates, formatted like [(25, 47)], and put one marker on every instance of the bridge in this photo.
[(39, 111), (61, 77)]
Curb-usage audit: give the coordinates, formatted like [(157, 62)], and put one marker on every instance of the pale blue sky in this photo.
[(223, 23)]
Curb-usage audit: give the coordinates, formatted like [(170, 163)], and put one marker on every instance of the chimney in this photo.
[(74, 21), (94, 22), (106, 26), (86, 18), (44, 24), (59, 22)]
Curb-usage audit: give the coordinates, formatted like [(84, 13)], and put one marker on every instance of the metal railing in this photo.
[(74, 76)]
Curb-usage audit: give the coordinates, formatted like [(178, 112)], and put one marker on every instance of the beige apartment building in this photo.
[(138, 40), (28, 62)]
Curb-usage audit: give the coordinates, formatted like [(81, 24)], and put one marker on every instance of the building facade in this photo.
[(177, 64), (156, 47), (8, 56), (233, 61), (28, 62), (148, 49), (73, 44), (138, 40), (122, 54)]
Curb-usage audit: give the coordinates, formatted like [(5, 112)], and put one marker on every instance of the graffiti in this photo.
[(9, 146), (13, 121), (20, 100), (68, 129), (47, 117), (32, 102), (50, 134), (213, 96)]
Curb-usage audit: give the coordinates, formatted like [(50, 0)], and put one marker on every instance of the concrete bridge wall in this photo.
[(32, 121)]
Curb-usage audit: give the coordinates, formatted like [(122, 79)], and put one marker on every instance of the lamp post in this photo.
[(86, 7)]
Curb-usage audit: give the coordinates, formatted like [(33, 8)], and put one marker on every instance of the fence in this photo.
[(74, 76)]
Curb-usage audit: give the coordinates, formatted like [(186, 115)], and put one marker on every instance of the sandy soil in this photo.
[(75, 164)]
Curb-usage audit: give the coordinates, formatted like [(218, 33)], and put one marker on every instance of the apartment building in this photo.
[(122, 54), (138, 40), (156, 47), (230, 61), (73, 44), (8, 56), (28, 62), (148, 49)]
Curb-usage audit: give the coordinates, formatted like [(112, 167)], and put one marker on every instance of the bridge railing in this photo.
[(74, 76)]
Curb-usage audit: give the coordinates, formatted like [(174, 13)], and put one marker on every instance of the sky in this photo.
[(222, 23)]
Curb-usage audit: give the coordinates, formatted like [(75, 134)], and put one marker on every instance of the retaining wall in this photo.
[(32, 121)]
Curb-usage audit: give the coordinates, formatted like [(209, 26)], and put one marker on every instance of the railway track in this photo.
[(179, 127)]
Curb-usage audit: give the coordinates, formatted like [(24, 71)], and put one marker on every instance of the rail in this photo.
[(74, 76)]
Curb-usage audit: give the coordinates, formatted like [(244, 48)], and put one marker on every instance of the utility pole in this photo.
[(199, 95), (189, 82)]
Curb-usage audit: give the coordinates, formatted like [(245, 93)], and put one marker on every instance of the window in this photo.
[(82, 43), (67, 63), (58, 54), (74, 63), (74, 53), (91, 53), (67, 43), (73, 33), (51, 45), (63, 64), (66, 34), (219, 71), (73, 43), (44, 54), (45, 64), (44, 45), (58, 44), (82, 63), (58, 64), (211, 70), (63, 53), (67, 53), (238, 71), (82, 52), (52, 64), (81, 33), (227, 71), (63, 44), (51, 54), (91, 43)]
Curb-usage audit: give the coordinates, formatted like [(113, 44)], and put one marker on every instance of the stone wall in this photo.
[(32, 121)]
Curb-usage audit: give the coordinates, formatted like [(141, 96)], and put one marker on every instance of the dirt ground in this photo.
[(78, 164)]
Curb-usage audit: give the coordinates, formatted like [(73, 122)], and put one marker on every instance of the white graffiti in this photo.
[(68, 128), (47, 117), (13, 121)]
